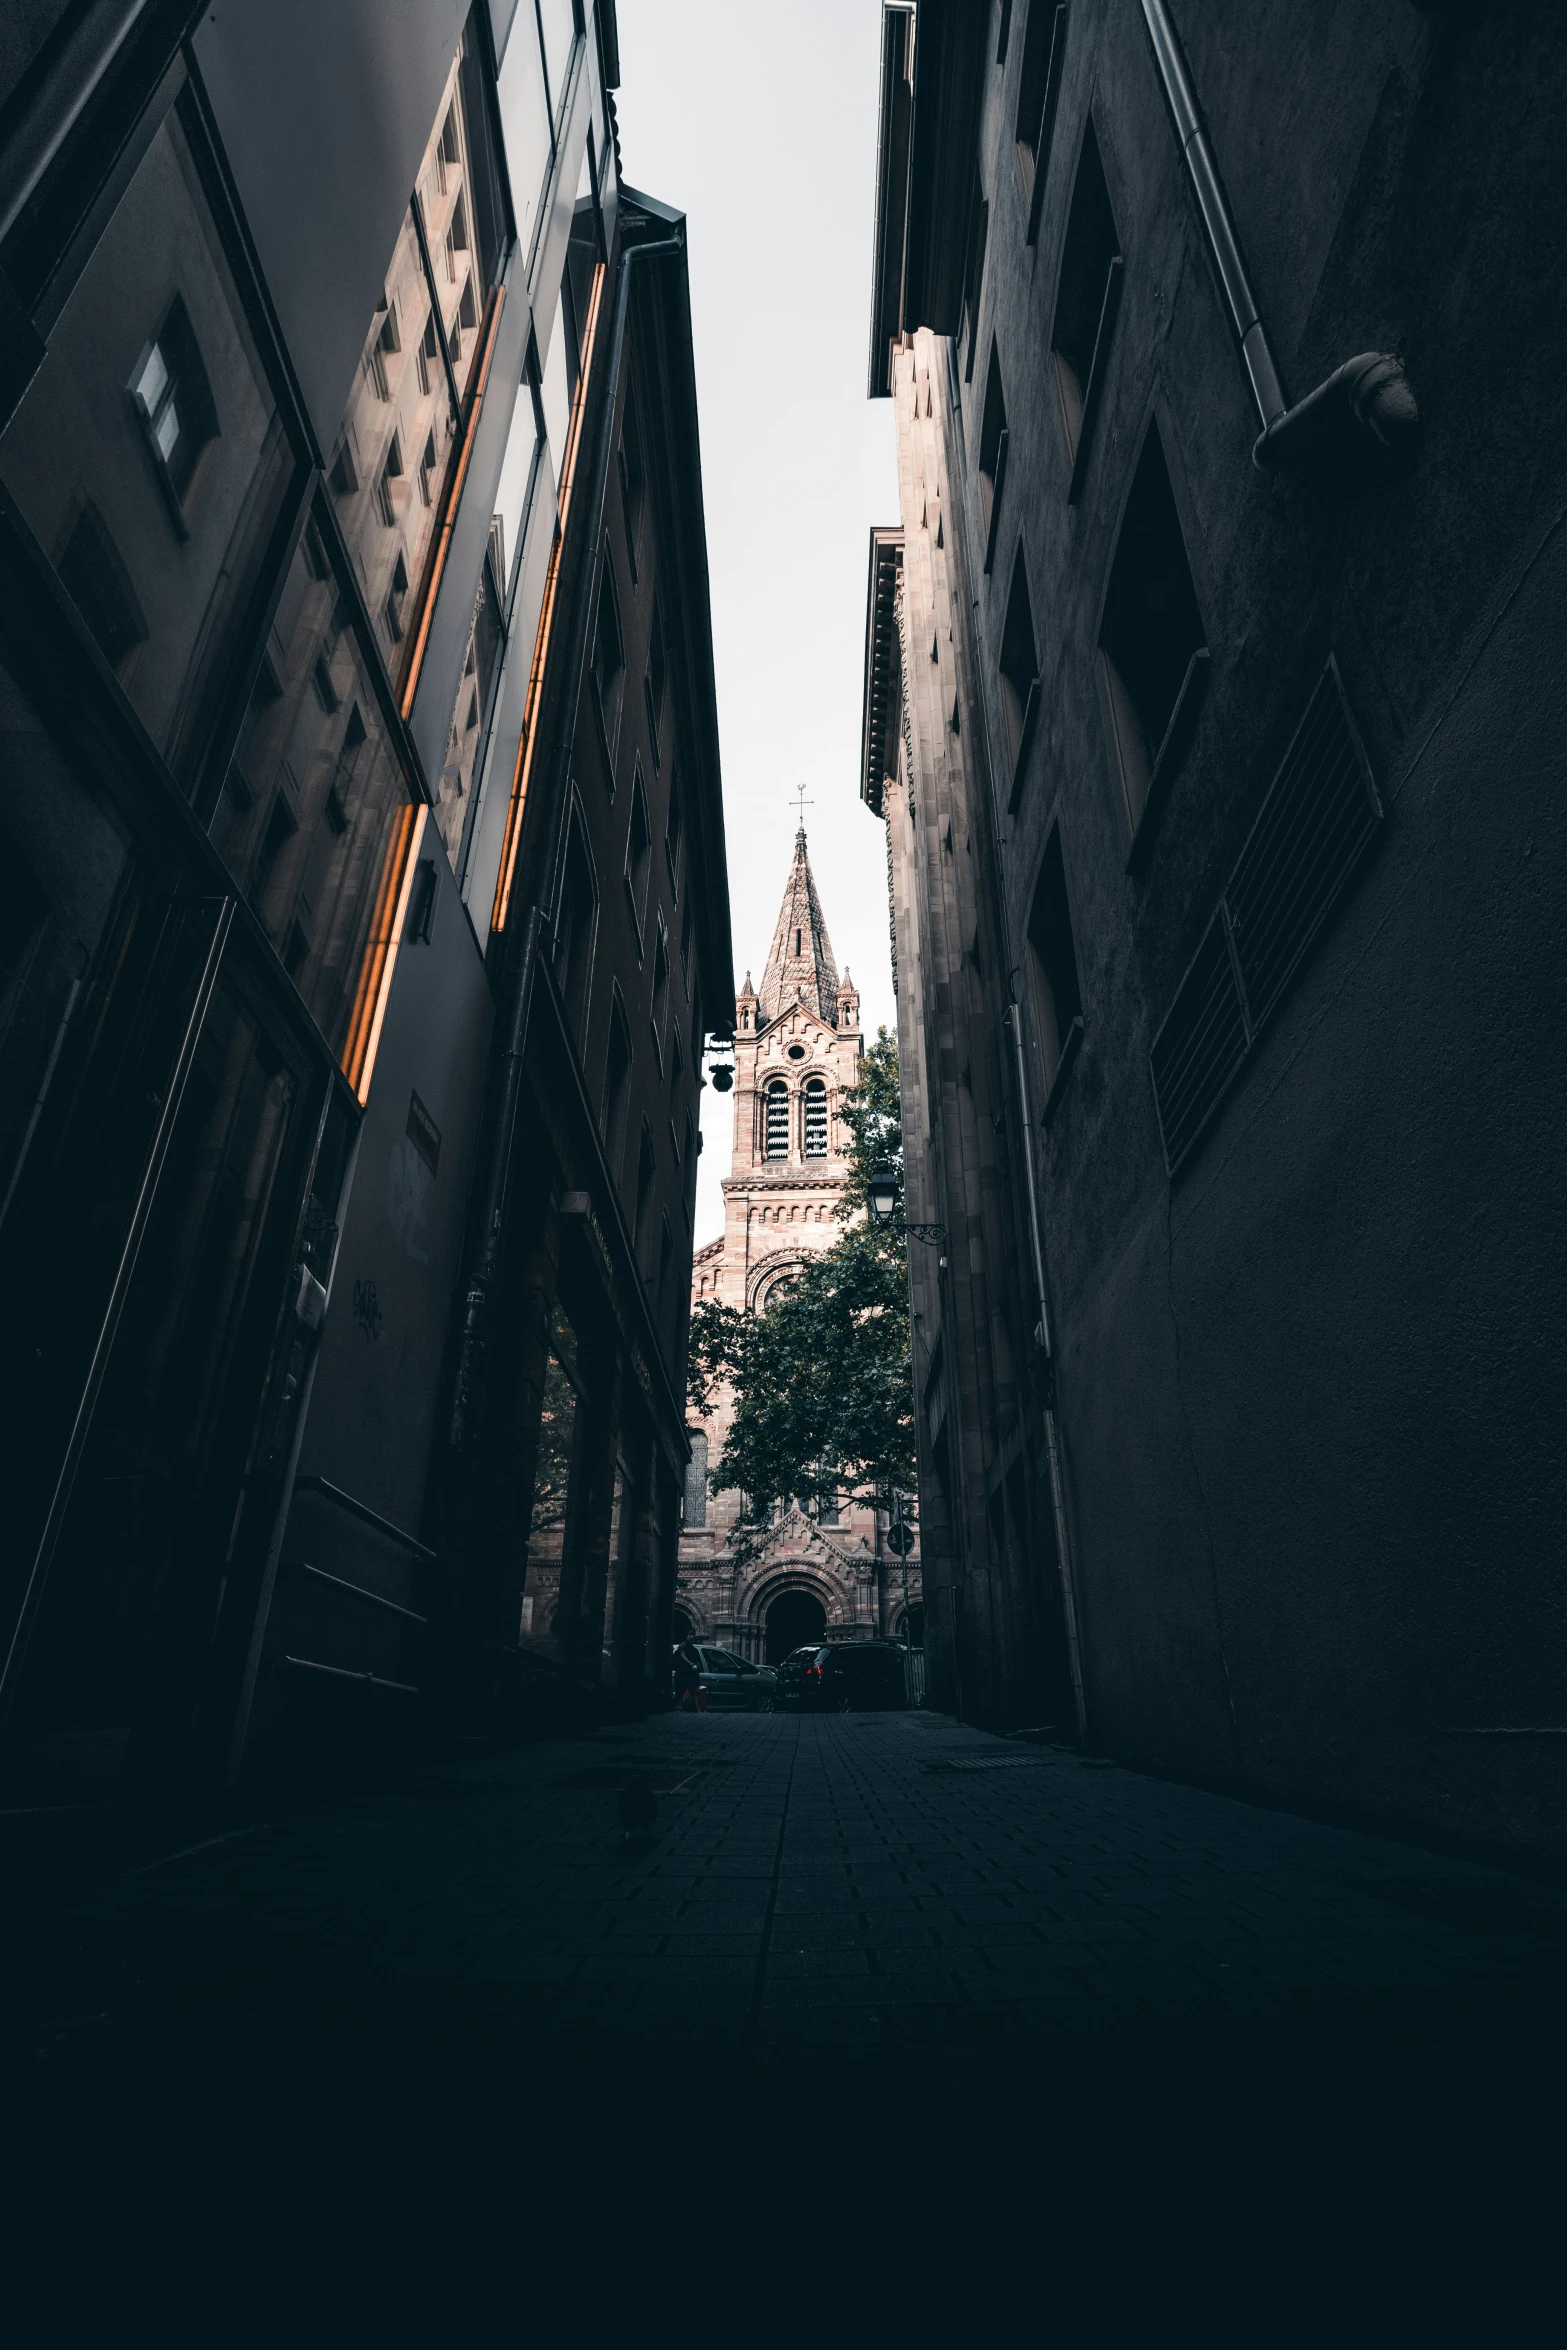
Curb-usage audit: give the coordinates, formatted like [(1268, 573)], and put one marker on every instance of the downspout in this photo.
[(1369, 393), (1014, 1020), (493, 1176)]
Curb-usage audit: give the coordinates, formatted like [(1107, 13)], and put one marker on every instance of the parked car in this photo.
[(844, 1676), (730, 1683)]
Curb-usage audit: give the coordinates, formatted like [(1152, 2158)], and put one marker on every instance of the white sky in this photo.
[(759, 122)]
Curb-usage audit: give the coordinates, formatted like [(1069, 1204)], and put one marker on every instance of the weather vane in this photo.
[(804, 804)]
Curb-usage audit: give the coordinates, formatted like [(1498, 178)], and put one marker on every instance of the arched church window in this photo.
[(815, 1119), (777, 1128)]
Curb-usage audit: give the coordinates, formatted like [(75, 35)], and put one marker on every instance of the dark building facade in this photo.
[(1212, 702), (341, 443)]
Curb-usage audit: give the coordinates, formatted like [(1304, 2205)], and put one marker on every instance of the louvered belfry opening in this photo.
[(1319, 818), (777, 1128), (815, 1119)]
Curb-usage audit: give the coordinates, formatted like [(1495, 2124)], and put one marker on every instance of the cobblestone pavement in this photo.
[(882, 1887), (888, 1965)]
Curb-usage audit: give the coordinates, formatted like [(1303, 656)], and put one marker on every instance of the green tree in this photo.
[(823, 1396)]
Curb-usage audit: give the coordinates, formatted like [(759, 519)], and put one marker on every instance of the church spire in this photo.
[(800, 968)]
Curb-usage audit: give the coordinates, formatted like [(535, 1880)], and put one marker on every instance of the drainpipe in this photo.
[(1014, 1020), (1368, 394)]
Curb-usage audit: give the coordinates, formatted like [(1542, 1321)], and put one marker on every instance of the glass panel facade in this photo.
[(525, 125), (136, 1585), (559, 21), (313, 819), (470, 719), (148, 455), (62, 859)]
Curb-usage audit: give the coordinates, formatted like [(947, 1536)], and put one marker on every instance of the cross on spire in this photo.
[(804, 803)]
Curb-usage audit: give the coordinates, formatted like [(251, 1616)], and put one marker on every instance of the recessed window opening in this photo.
[(633, 482), (617, 1088), (660, 990), (815, 1119), (1151, 638), (1019, 672), (777, 1121), (575, 929), (973, 286), (1039, 82), (1087, 292), (797, 937), (685, 949), (639, 842), (99, 585), (609, 664), (992, 452), (653, 683), (674, 828), (172, 396), (1004, 32), (1058, 1002), (645, 1172)]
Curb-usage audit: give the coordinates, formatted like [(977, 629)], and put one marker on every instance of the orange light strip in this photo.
[(437, 562), (380, 957), (568, 476)]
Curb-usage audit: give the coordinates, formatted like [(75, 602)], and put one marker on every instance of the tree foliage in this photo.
[(823, 1396)]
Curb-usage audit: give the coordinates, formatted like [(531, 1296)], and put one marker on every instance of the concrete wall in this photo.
[(1313, 1453)]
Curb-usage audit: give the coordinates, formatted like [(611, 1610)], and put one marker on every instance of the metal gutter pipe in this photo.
[(1369, 392), (1014, 1020)]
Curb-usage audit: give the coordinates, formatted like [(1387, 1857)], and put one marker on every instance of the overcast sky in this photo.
[(760, 124)]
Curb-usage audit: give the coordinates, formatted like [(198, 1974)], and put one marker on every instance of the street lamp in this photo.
[(882, 1191)]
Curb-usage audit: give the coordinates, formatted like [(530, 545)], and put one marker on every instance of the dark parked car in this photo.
[(729, 1683), (844, 1676)]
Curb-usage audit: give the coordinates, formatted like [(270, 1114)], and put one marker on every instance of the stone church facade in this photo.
[(797, 1052)]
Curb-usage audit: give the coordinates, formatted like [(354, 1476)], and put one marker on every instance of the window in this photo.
[(660, 989), (974, 280), (694, 1514), (685, 949), (100, 587), (1086, 302), (158, 525), (609, 667), (1151, 639), (1019, 675), (653, 683), (633, 482), (575, 928), (556, 1492), (400, 433), (664, 1297), (826, 1496), (674, 826), (639, 842), (454, 799), (815, 1119), (1004, 32), (617, 1088), (992, 452), (1058, 1003), (584, 252), (174, 400), (1039, 87), (776, 1130)]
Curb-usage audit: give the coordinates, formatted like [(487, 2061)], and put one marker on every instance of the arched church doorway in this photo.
[(793, 1619), (680, 1626)]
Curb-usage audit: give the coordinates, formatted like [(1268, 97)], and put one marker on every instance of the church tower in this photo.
[(797, 1053)]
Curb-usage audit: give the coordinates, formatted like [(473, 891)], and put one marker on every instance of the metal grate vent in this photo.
[(1319, 817), (1201, 1045)]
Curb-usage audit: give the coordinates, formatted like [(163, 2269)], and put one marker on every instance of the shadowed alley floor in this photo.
[(886, 1895)]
